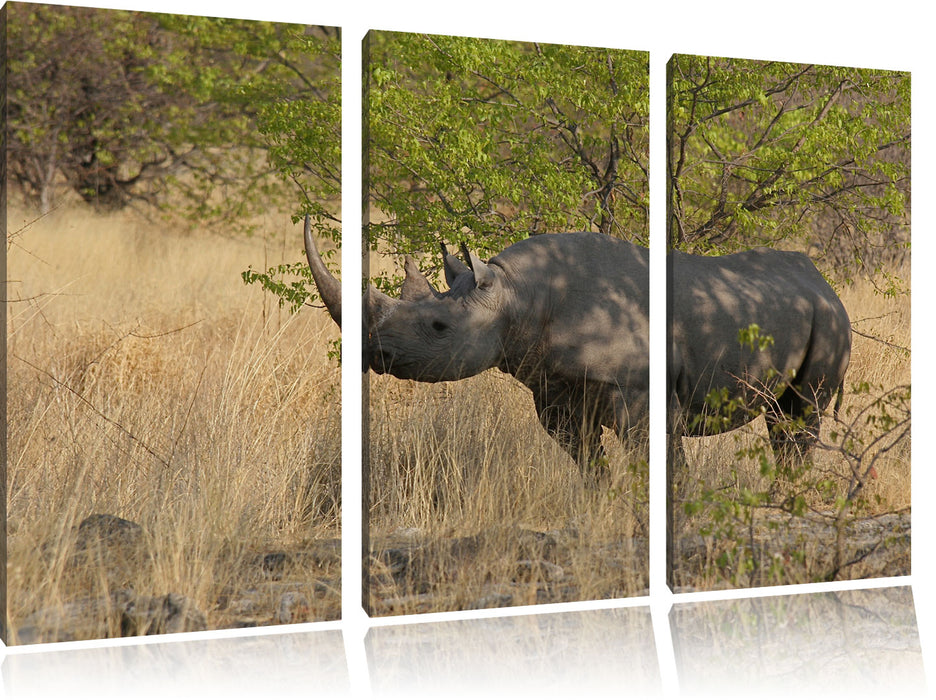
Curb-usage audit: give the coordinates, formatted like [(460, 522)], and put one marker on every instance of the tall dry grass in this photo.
[(147, 382), (881, 357), (464, 472)]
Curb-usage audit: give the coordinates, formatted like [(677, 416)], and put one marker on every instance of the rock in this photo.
[(166, 614), (102, 530), (324, 553), (275, 563), (396, 560), (292, 607), (536, 570), (124, 613), (494, 600), (408, 533), (115, 545), (536, 545), (408, 604)]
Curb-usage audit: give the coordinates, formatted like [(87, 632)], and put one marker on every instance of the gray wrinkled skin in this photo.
[(568, 315), (711, 298)]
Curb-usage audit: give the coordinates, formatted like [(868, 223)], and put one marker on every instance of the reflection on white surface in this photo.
[(592, 653), (862, 641), (308, 664)]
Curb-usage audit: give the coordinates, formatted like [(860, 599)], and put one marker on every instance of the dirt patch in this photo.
[(500, 567), (780, 549), (108, 564)]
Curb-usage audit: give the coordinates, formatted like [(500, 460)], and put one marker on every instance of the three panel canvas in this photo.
[(173, 356)]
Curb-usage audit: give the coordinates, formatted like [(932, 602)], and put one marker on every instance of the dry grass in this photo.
[(882, 362), (146, 381), (473, 505)]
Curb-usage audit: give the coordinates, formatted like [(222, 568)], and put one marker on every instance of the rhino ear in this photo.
[(483, 275), (452, 265), (466, 254), (415, 286)]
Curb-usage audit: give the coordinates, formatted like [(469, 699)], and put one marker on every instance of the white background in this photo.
[(307, 660)]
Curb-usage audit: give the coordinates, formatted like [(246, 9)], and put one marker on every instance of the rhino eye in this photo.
[(439, 326)]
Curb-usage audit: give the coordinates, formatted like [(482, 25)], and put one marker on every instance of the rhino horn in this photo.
[(482, 273), (415, 285), (453, 266), (329, 288), (466, 254), (378, 306)]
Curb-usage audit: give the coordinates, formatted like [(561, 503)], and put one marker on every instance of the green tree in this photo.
[(765, 152), (207, 116), (80, 109), (279, 89), (487, 142)]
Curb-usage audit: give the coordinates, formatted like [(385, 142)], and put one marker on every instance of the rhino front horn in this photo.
[(378, 306), (329, 288)]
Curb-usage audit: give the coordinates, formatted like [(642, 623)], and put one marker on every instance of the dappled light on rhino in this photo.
[(757, 334), (783, 297), (566, 314)]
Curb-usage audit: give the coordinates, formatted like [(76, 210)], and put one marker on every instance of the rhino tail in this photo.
[(838, 399)]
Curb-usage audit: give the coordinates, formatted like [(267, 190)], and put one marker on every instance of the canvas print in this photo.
[(788, 304), (173, 458), (506, 315)]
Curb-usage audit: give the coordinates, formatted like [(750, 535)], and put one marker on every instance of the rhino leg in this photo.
[(676, 496), (577, 432), (794, 428)]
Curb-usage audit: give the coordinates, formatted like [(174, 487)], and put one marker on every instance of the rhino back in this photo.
[(713, 298), (583, 306)]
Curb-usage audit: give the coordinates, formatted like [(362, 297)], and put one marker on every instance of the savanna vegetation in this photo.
[(148, 383), (174, 443), (815, 159), (486, 142), (471, 503)]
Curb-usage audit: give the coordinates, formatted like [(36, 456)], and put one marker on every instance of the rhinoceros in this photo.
[(567, 314), (763, 329)]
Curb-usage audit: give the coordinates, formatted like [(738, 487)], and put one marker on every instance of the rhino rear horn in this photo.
[(466, 254), (329, 288), (415, 285)]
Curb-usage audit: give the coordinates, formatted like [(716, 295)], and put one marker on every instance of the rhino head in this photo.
[(427, 335)]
